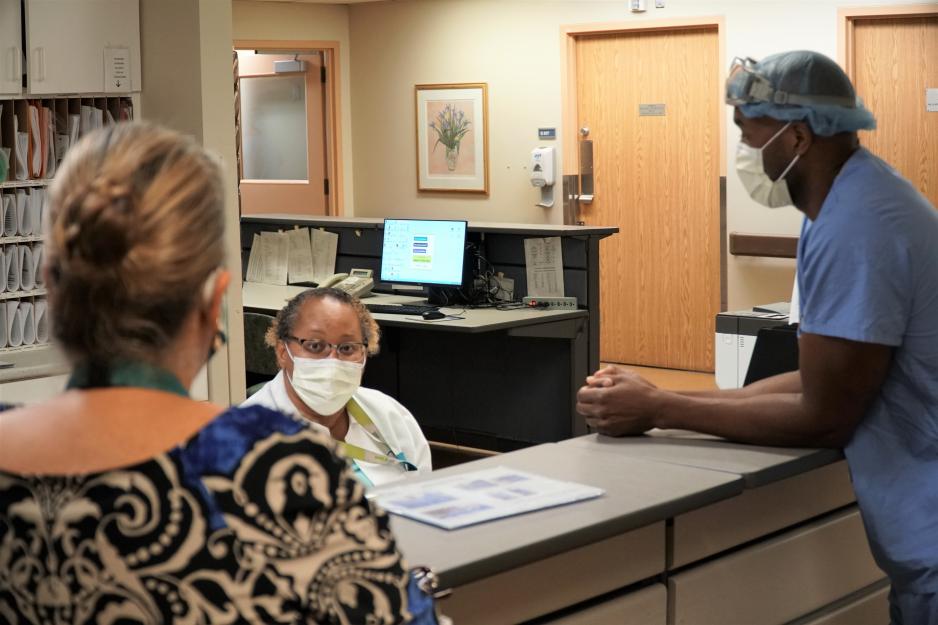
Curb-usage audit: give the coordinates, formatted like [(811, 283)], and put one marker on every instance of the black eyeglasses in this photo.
[(321, 349)]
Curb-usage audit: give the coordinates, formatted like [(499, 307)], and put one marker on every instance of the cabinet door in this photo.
[(69, 43), (11, 53)]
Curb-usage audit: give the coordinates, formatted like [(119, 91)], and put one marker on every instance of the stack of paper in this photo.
[(480, 496), (290, 257)]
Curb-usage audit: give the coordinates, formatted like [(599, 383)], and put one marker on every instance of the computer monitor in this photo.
[(428, 252)]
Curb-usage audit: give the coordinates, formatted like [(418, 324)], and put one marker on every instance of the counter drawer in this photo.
[(560, 581), (871, 608), (757, 512), (780, 579), (648, 606)]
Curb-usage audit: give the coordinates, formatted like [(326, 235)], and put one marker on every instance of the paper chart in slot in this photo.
[(28, 278), (7, 213), (4, 327), (10, 219), (480, 496), (11, 267), (35, 142), (325, 247), (29, 322), (21, 151), (14, 324), (300, 262), (42, 322), (24, 213), (37, 264), (74, 130), (543, 259), (35, 199), (49, 138)]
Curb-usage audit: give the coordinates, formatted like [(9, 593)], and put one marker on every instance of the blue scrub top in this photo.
[(868, 272)]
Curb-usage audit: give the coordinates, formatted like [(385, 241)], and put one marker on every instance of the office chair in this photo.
[(260, 362)]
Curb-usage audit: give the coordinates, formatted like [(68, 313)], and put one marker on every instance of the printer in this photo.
[(735, 339)]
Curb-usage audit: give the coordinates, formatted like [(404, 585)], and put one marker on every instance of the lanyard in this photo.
[(129, 374), (360, 454)]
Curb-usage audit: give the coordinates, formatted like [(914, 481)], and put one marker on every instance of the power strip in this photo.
[(557, 303)]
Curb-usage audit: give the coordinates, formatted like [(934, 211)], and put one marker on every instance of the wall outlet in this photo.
[(553, 303)]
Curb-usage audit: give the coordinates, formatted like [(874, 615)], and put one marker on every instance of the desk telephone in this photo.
[(358, 283)]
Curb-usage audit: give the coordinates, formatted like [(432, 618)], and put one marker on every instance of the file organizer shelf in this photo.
[(37, 133)]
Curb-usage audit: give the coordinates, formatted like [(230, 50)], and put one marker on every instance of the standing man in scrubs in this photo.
[(868, 340)]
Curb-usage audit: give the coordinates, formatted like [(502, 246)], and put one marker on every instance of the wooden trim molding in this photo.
[(765, 245)]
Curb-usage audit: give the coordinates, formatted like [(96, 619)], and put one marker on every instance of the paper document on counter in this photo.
[(325, 246), (543, 259), (301, 256), (267, 262), (480, 496)]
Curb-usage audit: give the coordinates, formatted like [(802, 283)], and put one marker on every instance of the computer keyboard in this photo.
[(400, 309)]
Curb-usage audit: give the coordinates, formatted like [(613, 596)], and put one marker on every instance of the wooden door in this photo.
[(893, 62), (657, 178), (283, 135)]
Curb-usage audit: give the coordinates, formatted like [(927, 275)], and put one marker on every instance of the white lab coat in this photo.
[(395, 423)]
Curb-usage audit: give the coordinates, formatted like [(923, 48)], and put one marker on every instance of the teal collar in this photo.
[(127, 374)]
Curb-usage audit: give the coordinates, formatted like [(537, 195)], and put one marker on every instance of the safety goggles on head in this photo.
[(745, 85)]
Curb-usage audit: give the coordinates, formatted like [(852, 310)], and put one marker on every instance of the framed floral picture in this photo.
[(452, 138)]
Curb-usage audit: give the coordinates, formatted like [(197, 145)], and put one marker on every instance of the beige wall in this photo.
[(513, 45), (288, 21)]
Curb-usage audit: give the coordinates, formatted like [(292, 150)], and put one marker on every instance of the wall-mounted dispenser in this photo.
[(542, 174)]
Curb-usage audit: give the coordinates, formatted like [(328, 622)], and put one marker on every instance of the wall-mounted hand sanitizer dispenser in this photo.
[(542, 167), (542, 174)]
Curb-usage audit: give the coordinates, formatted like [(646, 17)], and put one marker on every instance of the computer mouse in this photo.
[(430, 315)]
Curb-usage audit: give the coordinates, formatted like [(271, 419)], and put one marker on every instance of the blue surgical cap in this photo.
[(799, 86)]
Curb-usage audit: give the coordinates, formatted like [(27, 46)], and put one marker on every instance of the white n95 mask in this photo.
[(325, 384), (761, 188)]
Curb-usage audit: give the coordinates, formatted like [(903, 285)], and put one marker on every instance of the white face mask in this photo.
[(751, 170), (325, 384)]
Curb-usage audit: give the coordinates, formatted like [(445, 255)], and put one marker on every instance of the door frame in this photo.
[(569, 105), (846, 23), (335, 204)]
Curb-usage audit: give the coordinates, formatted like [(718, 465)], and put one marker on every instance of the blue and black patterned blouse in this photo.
[(252, 520)]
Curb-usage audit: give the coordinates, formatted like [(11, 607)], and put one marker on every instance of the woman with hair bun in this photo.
[(122, 499)]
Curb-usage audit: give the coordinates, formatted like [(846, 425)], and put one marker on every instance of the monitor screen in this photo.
[(423, 251)]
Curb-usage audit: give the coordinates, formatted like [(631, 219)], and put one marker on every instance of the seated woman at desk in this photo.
[(122, 499), (323, 338)]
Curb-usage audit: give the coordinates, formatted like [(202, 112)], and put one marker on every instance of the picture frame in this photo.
[(452, 137)]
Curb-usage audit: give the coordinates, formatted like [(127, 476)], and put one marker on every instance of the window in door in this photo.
[(283, 128)]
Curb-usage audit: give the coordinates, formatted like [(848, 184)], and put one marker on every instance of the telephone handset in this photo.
[(358, 283)]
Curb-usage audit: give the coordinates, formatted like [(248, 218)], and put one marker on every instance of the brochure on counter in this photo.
[(479, 496)]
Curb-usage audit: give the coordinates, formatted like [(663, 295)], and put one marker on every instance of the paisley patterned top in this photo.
[(252, 520)]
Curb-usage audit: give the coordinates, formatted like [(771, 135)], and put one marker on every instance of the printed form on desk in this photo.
[(269, 258), (298, 255), (324, 246), (543, 259), (480, 496), (300, 260)]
